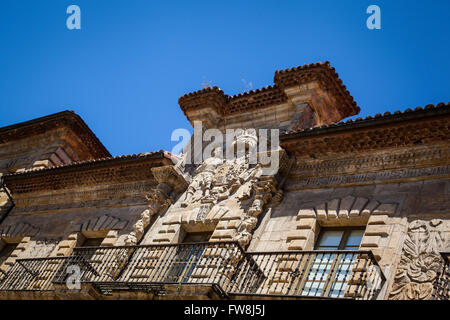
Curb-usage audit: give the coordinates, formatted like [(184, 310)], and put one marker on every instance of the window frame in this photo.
[(328, 283), (344, 238)]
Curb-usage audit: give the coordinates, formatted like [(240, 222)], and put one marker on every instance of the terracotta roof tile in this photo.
[(397, 115), (100, 161), (273, 94), (61, 119)]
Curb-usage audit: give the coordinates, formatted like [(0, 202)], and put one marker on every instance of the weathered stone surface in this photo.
[(387, 175)]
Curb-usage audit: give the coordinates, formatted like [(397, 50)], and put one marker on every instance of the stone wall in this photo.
[(386, 210)]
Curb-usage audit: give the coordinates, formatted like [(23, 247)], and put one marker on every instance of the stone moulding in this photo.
[(114, 195), (69, 119), (316, 85), (348, 207), (369, 178), (103, 223), (404, 159), (122, 169), (342, 212), (422, 127), (22, 229)]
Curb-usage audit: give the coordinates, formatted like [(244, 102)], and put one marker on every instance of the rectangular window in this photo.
[(187, 256), (93, 242), (329, 271), (340, 239), (197, 237)]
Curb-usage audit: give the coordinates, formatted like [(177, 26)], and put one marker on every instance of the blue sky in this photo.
[(124, 71)]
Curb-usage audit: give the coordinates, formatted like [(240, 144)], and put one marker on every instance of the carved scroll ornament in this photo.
[(420, 261)]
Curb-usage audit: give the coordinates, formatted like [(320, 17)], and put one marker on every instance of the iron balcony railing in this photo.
[(223, 265), (442, 282), (32, 274), (135, 267), (310, 274)]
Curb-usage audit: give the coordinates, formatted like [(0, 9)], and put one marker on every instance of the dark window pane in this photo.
[(197, 237), (93, 242)]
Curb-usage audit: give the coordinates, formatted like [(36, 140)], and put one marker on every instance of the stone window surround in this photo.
[(23, 243), (105, 226), (221, 221), (19, 233), (345, 212), (75, 239)]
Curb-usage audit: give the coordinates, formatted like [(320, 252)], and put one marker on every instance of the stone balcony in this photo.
[(210, 270)]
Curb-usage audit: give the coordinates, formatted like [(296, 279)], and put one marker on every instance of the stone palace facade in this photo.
[(357, 209)]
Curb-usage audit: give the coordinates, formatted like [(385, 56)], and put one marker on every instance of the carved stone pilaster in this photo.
[(264, 191), (171, 183), (158, 200), (420, 261)]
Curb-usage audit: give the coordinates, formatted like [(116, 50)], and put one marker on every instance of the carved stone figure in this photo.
[(244, 235), (158, 200), (217, 180), (204, 177)]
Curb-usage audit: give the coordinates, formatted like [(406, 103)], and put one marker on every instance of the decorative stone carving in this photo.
[(420, 261), (103, 223), (42, 248), (219, 187), (204, 178), (217, 180), (203, 211), (348, 207), (158, 200), (263, 191)]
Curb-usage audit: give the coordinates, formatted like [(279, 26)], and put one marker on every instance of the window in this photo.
[(329, 271), (6, 251), (197, 237), (339, 239), (187, 256), (92, 242)]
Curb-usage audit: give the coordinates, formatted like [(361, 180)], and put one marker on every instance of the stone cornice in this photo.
[(122, 169), (315, 84), (430, 111), (368, 178), (117, 194), (228, 105), (411, 128), (418, 157), (326, 76)]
